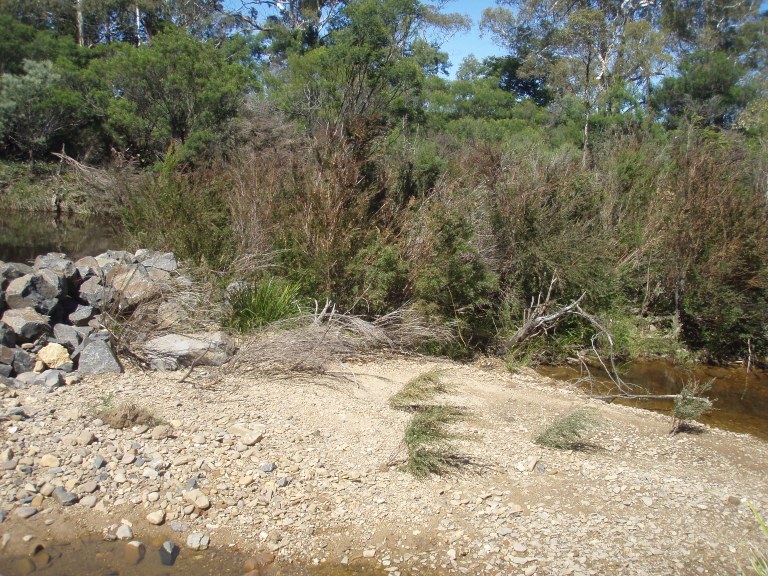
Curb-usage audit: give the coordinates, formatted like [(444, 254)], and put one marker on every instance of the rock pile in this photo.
[(51, 324)]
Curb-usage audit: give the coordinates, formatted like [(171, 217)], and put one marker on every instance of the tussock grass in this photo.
[(263, 303), (428, 441), (759, 561), (125, 415), (568, 432), (418, 390)]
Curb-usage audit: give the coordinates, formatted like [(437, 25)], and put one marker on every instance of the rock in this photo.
[(160, 261), (7, 335), (98, 461), (156, 518), (50, 379), (23, 361), (370, 553), (734, 500), (168, 553), (85, 438), (258, 561), (41, 291), (647, 500), (27, 323), (131, 285), (124, 532), (252, 438), (49, 461), (97, 357), (268, 467), (57, 263), (89, 487), (161, 432), (82, 314), (134, 552), (205, 349), (89, 501), (7, 354), (197, 498), (198, 541), (93, 293), (65, 498), (283, 482), (67, 336), (24, 566), (87, 267), (26, 512), (11, 270)]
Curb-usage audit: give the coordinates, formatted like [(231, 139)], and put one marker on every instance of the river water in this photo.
[(740, 397)]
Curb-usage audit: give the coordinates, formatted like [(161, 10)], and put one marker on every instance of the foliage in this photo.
[(124, 414), (417, 390), (428, 441), (568, 432), (690, 405), (758, 560), (263, 302)]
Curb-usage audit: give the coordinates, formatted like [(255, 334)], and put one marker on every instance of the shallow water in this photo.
[(25, 235), (740, 397)]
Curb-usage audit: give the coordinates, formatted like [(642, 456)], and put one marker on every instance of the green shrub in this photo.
[(263, 302), (690, 405), (758, 560), (417, 390), (568, 432)]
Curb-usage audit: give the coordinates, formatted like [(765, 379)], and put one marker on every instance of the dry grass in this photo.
[(125, 415), (310, 343), (418, 390)]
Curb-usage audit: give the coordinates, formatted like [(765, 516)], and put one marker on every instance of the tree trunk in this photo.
[(138, 25), (80, 33), (586, 156)]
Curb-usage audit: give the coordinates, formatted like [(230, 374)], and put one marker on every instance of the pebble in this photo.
[(156, 518), (64, 497), (134, 552), (168, 553), (198, 541), (124, 532), (49, 461), (26, 512)]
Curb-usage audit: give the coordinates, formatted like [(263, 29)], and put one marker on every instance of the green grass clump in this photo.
[(428, 441), (418, 390), (125, 415), (264, 302), (568, 432)]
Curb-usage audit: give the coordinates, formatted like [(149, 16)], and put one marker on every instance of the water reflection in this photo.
[(25, 235), (741, 397)]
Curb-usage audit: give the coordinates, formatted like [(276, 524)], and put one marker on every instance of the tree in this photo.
[(176, 89)]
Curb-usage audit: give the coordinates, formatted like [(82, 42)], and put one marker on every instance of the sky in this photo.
[(470, 42)]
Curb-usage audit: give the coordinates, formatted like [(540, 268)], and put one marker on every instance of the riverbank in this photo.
[(637, 501)]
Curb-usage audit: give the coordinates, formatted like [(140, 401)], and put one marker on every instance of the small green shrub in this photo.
[(417, 390), (266, 301), (568, 432), (758, 560), (690, 405), (428, 441)]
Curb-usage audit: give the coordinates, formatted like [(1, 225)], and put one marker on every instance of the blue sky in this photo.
[(462, 45)]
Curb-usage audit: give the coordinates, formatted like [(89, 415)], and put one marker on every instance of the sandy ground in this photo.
[(636, 501)]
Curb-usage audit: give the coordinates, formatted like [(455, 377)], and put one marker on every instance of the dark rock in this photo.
[(95, 294), (82, 314), (5, 371), (166, 262), (99, 461), (40, 291), (17, 411), (67, 336), (6, 355), (97, 357), (60, 265), (168, 553), (63, 497), (283, 482), (26, 378), (27, 323), (11, 270), (7, 335), (23, 361), (88, 267), (268, 467)]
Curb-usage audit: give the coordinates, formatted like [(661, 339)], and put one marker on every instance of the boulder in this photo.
[(59, 264), (40, 291), (97, 357), (94, 293), (87, 267), (6, 355), (26, 378), (132, 285), (23, 361), (54, 355), (172, 351), (83, 314), (6, 370), (67, 336), (112, 258), (11, 270), (50, 379), (27, 323), (7, 335), (160, 261)]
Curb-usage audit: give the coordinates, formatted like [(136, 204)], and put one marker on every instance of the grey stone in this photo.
[(205, 349), (63, 497), (7, 335), (59, 264), (131, 285), (82, 315), (10, 465), (26, 512), (168, 553), (99, 461), (283, 482), (7, 354), (124, 532), (88, 267), (50, 379), (16, 411), (23, 361), (26, 378), (67, 336), (166, 262), (198, 541), (93, 292), (97, 357), (268, 467), (40, 291), (177, 526), (6, 370), (27, 323)]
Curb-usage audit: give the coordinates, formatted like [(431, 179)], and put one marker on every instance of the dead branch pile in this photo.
[(315, 342)]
